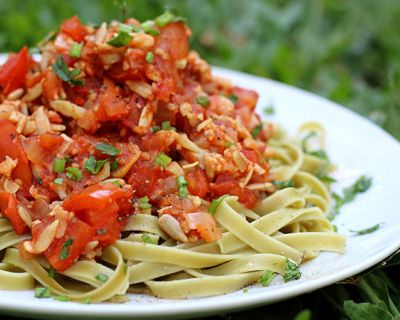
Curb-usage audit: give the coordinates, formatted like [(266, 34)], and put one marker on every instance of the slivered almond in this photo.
[(29, 247), (239, 160), (16, 94), (34, 92), (267, 186), (259, 169), (21, 124), (247, 178), (142, 88), (67, 109), (24, 215), (29, 128), (172, 227), (42, 121), (175, 168), (190, 165), (57, 127), (204, 124), (10, 186), (46, 237), (89, 250), (7, 166)]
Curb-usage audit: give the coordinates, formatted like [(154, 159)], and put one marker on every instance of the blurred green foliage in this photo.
[(347, 51)]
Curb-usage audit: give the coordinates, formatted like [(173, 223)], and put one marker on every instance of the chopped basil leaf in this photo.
[(162, 160), (149, 57), (203, 101), (66, 251), (108, 149), (182, 187), (62, 298), (266, 279), (283, 184), (147, 239), (155, 128), (147, 25), (291, 271), (74, 173), (164, 19), (305, 140), (42, 293), (361, 185), (69, 76), (122, 39), (52, 273), (58, 181), (93, 166), (75, 50), (114, 165), (102, 277), (228, 144), (256, 131), (166, 125), (128, 28), (215, 203), (367, 230), (59, 165)]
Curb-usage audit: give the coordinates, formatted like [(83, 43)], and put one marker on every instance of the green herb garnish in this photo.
[(122, 39), (74, 173), (256, 131), (215, 203), (59, 165), (203, 101), (66, 249), (43, 293), (367, 230), (108, 149), (292, 271), (149, 57), (102, 277), (305, 140), (52, 272), (62, 298), (155, 129), (228, 144), (94, 166), (166, 125), (269, 110), (58, 181), (162, 160), (182, 187), (69, 76), (266, 279), (114, 165), (144, 203), (147, 239), (283, 184), (75, 50), (234, 98), (164, 19)]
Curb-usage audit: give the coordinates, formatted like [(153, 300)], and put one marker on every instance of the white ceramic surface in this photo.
[(355, 143)]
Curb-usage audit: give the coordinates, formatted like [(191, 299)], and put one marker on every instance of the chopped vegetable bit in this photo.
[(266, 279), (93, 166), (144, 203), (59, 165), (42, 293), (122, 39), (108, 149), (128, 28), (283, 184), (166, 125), (361, 185), (74, 173), (228, 144), (62, 298), (100, 232), (58, 181), (155, 128), (69, 76), (114, 165), (319, 154), (65, 251), (164, 19), (102, 277), (147, 239), (234, 98), (215, 203), (52, 272), (367, 230), (39, 181), (256, 131), (75, 50), (203, 101), (149, 57), (269, 110), (292, 271), (162, 160), (182, 187)]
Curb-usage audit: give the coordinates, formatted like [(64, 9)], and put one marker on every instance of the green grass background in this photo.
[(345, 50)]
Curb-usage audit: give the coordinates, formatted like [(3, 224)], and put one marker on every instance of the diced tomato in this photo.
[(197, 183), (174, 40), (226, 184), (10, 145), (112, 106), (14, 71), (246, 98), (63, 252), (160, 141), (50, 141), (252, 155), (8, 206), (143, 177), (52, 85), (100, 206), (205, 225), (74, 28)]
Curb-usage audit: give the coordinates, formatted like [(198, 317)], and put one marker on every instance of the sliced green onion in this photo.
[(166, 125), (58, 181), (149, 57), (266, 279), (69, 76), (42, 293), (164, 19), (122, 39), (102, 277), (52, 273), (93, 166), (114, 165), (75, 50), (203, 101), (228, 144), (162, 160), (215, 203), (108, 149), (59, 165), (291, 271), (147, 239), (74, 173), (62, 298), (182, 187)]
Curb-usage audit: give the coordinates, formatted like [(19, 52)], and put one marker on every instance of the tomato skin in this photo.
[(52, 85), (205, 225), (14, 71), (10, 145), (111, 106), (246, 98), (80, 232), (8, 206), (226, 184), (197, 183), (174, 40), (74, 28), (50, 141)]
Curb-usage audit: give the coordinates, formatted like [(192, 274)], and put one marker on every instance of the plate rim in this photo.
[(215, 306)]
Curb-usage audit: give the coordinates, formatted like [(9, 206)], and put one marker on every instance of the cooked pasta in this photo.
[(126, 166)]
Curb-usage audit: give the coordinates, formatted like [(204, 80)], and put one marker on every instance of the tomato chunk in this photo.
[(205, 225), (74, 28), (14, 71), (197, 183), (10, 145), (226, 184), (8, 206)]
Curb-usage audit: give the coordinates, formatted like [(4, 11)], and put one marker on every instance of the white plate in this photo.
[(356, 144)]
